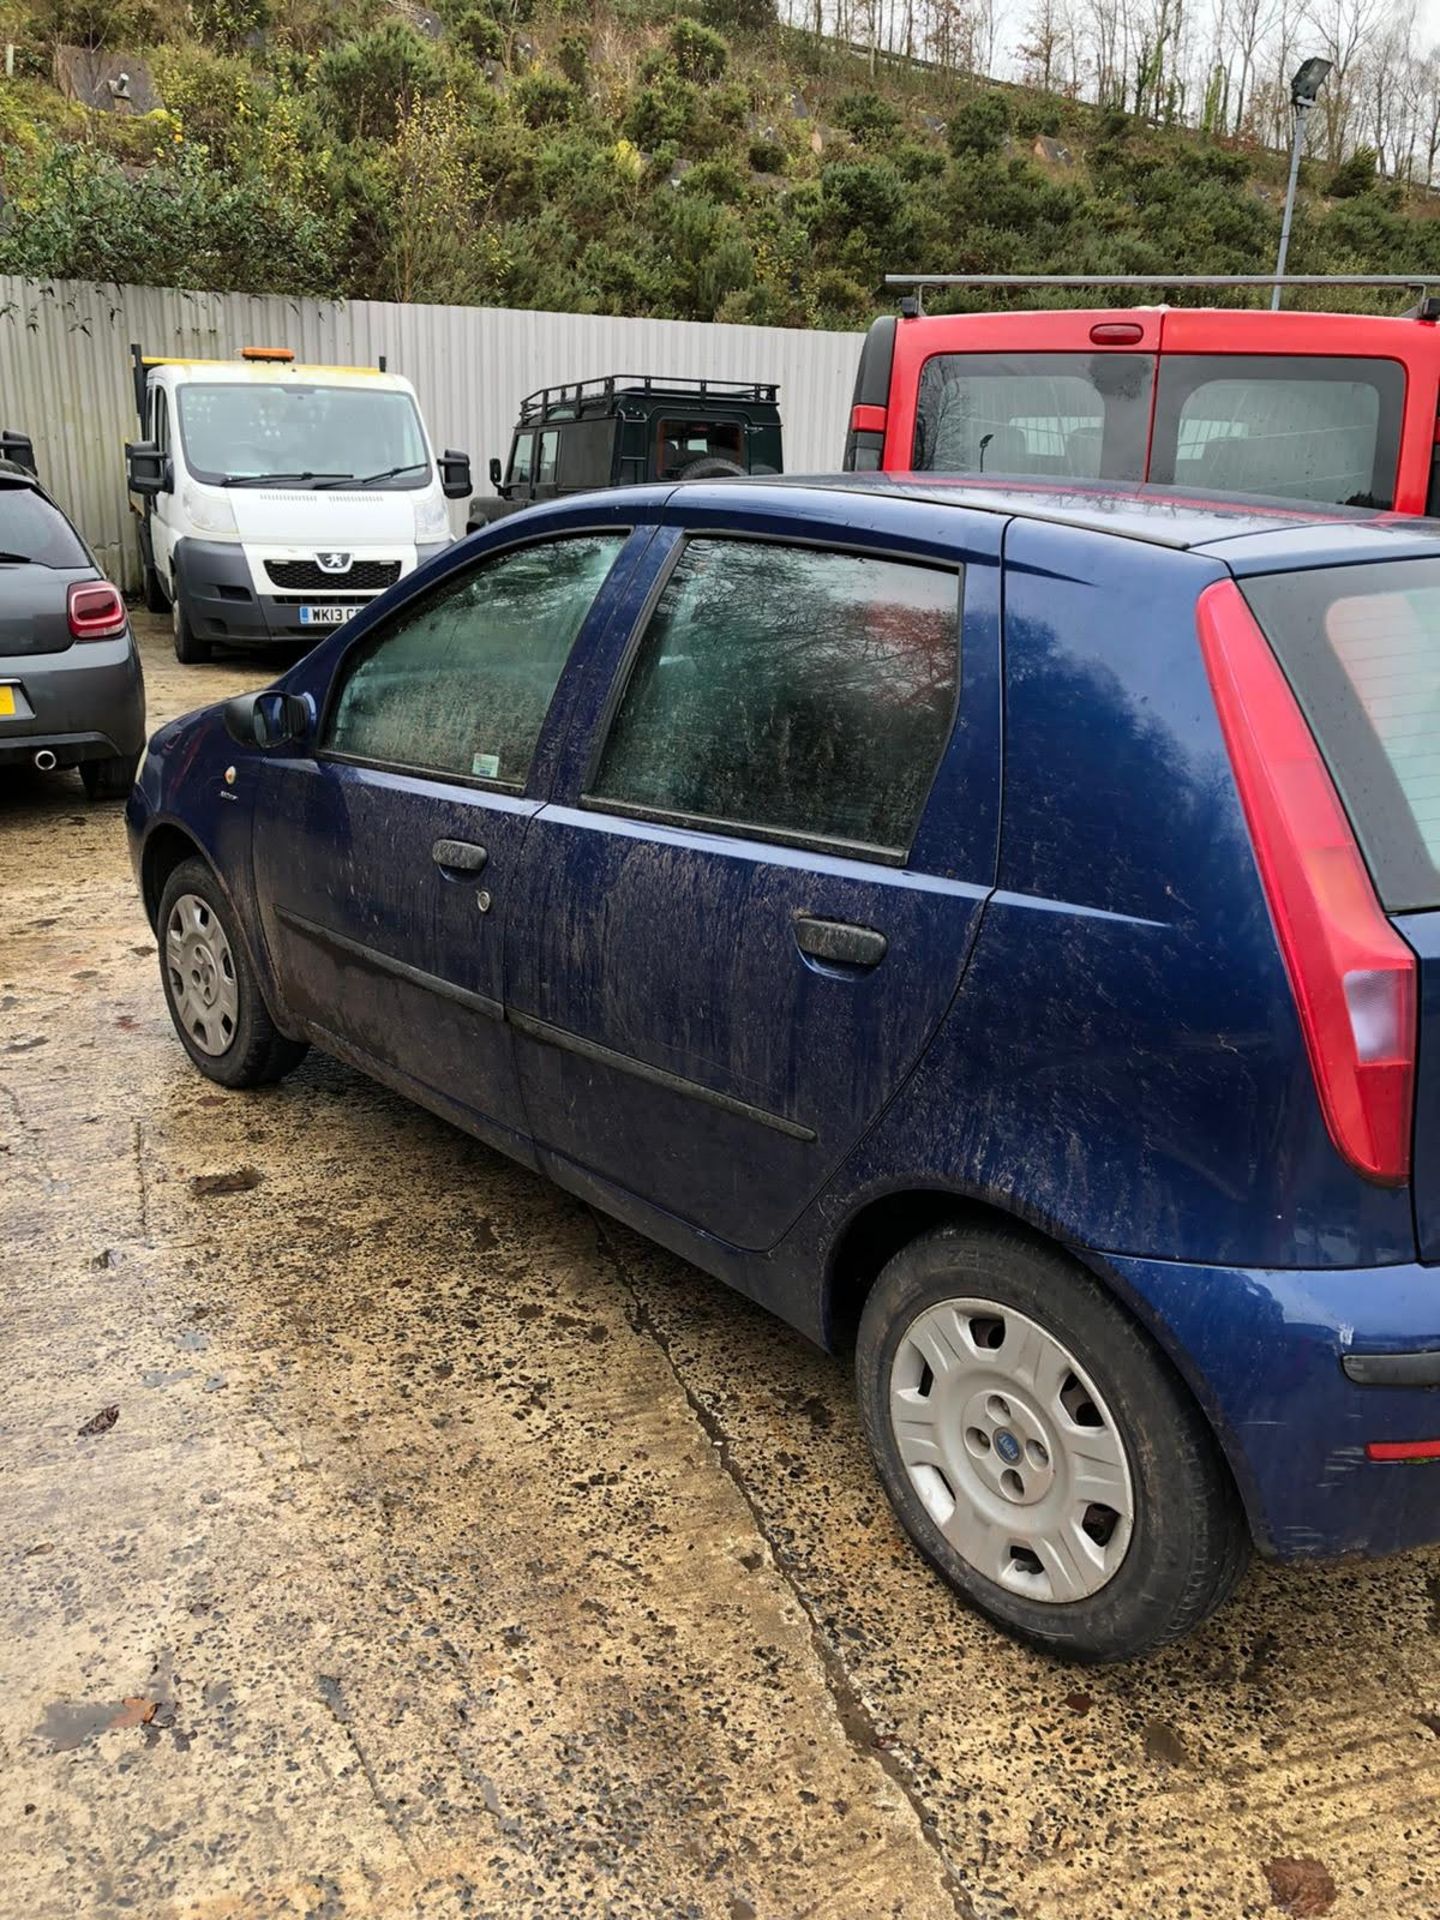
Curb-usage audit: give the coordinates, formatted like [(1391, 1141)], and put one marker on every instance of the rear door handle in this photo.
[(459, 856), (840, 943)]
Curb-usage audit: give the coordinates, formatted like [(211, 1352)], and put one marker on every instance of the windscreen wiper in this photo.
[(269, 479), (15, 559), (369, 479)]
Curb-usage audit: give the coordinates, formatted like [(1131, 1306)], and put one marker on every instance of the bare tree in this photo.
[(1344, 29)]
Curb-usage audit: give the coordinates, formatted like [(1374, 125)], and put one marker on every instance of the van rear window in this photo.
[(1325, 429), (1081, 416), (1361, 648)]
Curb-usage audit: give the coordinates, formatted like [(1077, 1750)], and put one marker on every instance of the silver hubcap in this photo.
[(1015, 1455), (203, 989)]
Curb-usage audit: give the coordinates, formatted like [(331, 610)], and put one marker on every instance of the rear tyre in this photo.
[(109, 779), (1040, 1451), (189, 651), (156, 598), (211, 989)]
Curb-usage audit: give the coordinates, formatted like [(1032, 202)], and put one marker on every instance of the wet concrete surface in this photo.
[(383, 1534)]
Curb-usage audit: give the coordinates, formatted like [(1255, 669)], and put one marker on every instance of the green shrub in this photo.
[(229, 23), (544, 99), (719, 180), (476, 31), (1354, 176), (915, 163), (869, 118), (573, 59), (738, 16), (978, 127), (768, 156), (699, 53), (369, 84), (99, 23), (661, 112)]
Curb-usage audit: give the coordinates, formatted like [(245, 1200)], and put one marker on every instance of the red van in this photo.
[(1339, 409)]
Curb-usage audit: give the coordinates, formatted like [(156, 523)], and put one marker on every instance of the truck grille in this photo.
[(308, 575)]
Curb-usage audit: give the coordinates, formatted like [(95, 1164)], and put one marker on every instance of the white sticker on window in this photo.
[(486, 766)]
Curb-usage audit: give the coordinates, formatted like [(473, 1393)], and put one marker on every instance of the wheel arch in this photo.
[(886, 1223), (165, 848)]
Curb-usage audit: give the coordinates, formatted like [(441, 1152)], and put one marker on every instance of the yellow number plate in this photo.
[(7, 701)]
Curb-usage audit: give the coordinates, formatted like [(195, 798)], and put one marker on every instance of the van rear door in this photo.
[(1335, 409), (1360, 646)]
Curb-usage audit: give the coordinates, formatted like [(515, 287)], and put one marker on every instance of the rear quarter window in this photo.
[(1361, 648), (33, 529)]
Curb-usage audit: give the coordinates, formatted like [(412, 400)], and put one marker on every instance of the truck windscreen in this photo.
[(233, 431)]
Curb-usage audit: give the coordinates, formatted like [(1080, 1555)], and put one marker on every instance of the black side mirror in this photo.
[(455, 480), (147, 469), (266, 719), (497, 473), (19, 450)]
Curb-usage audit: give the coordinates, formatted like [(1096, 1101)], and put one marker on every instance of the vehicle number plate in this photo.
[(324, 616), (7, 702)]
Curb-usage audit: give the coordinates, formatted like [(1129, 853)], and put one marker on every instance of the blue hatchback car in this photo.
[(996, 927)]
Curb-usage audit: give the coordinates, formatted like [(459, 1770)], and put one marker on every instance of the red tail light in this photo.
[(1352, 975), (1402, 1450), (96, 611)]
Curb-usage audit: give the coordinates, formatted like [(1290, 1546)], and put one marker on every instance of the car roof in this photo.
[(1253, 534)]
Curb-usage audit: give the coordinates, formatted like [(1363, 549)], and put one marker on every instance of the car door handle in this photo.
[(840, 943), (459, 856)]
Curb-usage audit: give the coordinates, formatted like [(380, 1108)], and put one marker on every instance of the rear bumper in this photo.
[(86, 703), (1267, 1354)]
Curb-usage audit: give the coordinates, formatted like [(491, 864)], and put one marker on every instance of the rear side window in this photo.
[(680, 443), (1078, 415), (1361, 648), (459, 683), (32, 529), (1326, 430), (791, 691)]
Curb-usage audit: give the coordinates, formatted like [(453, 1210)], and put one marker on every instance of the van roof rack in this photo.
[(554, 403), (1420, 284)]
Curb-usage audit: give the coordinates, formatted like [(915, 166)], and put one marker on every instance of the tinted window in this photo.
[(460, 682), (777, 687), (233, 430), (32, 529), (585, 451), (549, 447), (1305, 429), (522, 459), (1361, 647), (1080, 415)]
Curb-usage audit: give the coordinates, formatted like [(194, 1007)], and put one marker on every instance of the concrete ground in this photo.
[(448, 1551)]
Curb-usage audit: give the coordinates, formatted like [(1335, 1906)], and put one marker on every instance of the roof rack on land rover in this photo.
[(552, 402), (1421, 284)]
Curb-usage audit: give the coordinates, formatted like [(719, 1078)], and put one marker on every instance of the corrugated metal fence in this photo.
[(65, 373)]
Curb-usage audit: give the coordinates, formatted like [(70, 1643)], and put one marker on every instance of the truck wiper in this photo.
[(268, 479), (369, 479)]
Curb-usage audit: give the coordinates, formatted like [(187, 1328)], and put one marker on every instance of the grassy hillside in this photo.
[(684, 158)]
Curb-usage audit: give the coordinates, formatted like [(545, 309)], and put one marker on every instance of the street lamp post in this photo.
[(1306, 85)]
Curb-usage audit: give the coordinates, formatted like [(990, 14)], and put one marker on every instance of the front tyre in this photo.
[(1040, 1451), (211, 989), (190, 651)]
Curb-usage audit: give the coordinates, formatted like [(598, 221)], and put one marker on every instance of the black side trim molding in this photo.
[(568, 1042), (1393, 1369), (384, 963)]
